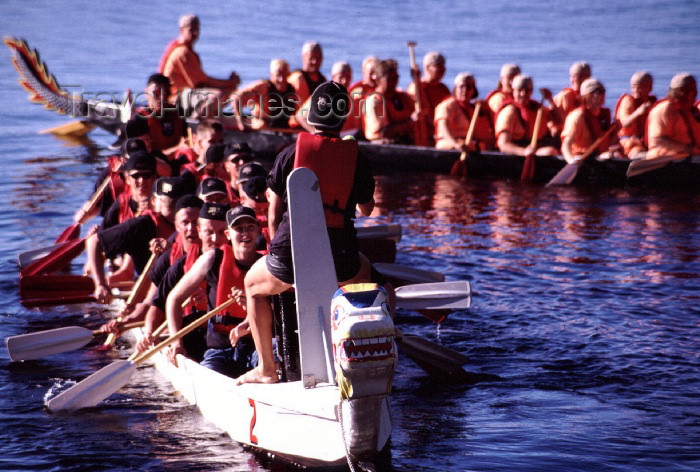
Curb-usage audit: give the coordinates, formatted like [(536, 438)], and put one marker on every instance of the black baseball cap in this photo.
[(214, 211), (140, 160), (188, 201), (235, 214), (250, 170), (211, 186), (255, 188)]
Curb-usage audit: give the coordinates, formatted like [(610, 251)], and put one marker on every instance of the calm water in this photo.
[(586, 301)]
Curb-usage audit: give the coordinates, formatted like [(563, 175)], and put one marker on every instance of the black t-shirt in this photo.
[(131, 237), (362, 192), (111, 218), (169, 279)]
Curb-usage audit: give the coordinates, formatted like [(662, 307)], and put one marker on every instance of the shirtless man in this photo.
[(632, 110), (273, 273), (673, 126), (184, 69)]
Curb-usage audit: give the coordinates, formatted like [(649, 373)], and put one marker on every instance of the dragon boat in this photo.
[(385, 158)]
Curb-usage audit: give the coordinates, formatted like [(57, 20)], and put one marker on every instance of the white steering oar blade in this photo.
[(95, 388), (438, 295), (30, 346)]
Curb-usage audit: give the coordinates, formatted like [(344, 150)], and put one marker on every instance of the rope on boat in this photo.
[(363, 465)]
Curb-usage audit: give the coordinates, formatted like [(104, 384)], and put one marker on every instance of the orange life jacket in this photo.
[(527, 115), (165, 128), (639, 125), (334, 161), (166, 54), (597, 125)]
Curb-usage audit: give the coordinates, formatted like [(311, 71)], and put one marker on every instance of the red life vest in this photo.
[(334, 161), (638, 126), (178, 249), (192, 256), (165, 128), (116, 181), (164, 228), (527, 115), (168, 50), (125, 211), (597, 125), (230, 275)]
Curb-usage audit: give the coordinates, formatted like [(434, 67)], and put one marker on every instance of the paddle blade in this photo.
[(436, 360), (436, 296), (641, 166), (402, 275), (56, 260), (566, 175), (392, 231), (459, 168), (30, 346), (68, 234), (26, 258), (528, 171), (95, 388)]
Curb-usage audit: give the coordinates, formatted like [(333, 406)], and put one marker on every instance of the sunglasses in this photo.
[(141, 175)]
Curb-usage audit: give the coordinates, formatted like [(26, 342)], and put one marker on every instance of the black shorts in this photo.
[(346, 258)]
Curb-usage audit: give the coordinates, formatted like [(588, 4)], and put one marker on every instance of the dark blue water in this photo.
[(585, 300)]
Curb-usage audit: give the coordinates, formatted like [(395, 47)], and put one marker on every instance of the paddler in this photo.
[(222, 271), (587, 123), (197, 92), (237, 155), (359, 91), (339, 164), (271, 102), (213, 190), (673, 126), (632, 110), (454, 115), (177, 246), (433, 91), (515, 122), (166, 127), (504, 89), (340, 73), (208, 132), (570, 98), (390, 113), (306, 79), (134, 235)]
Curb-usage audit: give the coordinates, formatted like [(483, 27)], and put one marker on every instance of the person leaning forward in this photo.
[(340, 165)]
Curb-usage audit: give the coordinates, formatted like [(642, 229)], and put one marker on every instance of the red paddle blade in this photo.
[(72, 232), (41, 290), (459, 169), (528, 169), (55, 260)]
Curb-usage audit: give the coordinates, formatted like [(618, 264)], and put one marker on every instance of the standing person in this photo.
[(391, 113), (346, 180), (454, 115), (632, 110), (673, 126), (222, 270), (570, 98), (504, 89), (515, 123), (274, 100), (306, 79), (587, 122), (432, 90), (182, 66)]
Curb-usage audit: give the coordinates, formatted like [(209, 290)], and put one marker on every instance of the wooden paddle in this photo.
[(569, 172), (640, 166), (459, 168), (73, 231), (528, 171), (103, 383), (434, 296), (421, 137), (74, 129), (42, 344), (137, 293)]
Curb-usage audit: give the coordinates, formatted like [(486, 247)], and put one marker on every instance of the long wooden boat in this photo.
[(385, 158), (338, 412)]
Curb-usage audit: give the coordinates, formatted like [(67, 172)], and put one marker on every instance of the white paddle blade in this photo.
[(30, 346), (439, 295), (95, 388), (641, 166), (26, 258), (566, 175), (392, 231)]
